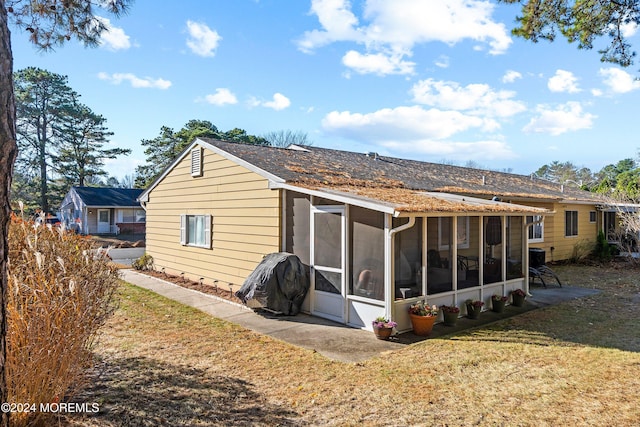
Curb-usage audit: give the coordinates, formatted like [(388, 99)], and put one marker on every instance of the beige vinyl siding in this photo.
[(554, 231), (246, 218)]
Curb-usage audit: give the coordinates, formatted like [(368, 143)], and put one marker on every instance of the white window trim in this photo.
[(184, 231), (541, 225)]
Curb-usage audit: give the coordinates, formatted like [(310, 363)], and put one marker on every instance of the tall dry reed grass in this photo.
[(60, 293)]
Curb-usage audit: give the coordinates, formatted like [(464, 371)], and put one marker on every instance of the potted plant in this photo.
[(474, 308), (498, 302), (422, 317), (450, 313), (517, 297), (383, 327)]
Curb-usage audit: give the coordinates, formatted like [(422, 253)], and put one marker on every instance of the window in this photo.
[(132, 215), (195, 230), (536, 231), (570, 223), (196, 161), (141, 215), (592, 216)]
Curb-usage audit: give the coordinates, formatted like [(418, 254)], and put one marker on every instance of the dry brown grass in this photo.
[(576, 363), (59, 294)]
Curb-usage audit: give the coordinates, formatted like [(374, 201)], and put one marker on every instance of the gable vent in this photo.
[(196, 162)]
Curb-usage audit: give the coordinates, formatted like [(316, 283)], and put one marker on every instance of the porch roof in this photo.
[(405, 202)]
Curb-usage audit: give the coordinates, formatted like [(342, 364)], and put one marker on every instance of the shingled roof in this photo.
[(109, 197), (408, 184)]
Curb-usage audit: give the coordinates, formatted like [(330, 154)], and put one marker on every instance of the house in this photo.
[(98, 210), (378, 233)]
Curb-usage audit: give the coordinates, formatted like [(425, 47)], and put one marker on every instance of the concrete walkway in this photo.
[(331, 339)]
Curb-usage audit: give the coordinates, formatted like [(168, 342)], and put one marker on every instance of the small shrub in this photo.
[(60, 293), (602, 251), (581, 251), (144, 263)]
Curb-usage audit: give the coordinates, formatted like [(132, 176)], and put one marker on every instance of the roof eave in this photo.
[(398, 210)]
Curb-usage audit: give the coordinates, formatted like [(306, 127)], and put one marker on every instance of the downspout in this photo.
[(526, 254), (389, 264)]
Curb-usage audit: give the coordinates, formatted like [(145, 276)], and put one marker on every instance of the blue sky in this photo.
[(426, 80)]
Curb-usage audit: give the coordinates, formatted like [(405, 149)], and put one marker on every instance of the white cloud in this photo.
[(113, 38), (337, 22), (378, 63), (136, 82), (442, 61), (563, 81), (629, 29), (203, 41), (477, 99), (401, 123), (511, 76), (619, 81), (222, 97), (565, 118), (394, 27), (278, 102), (415, 130)]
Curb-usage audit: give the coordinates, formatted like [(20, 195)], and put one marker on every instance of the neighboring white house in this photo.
[(97, 210)]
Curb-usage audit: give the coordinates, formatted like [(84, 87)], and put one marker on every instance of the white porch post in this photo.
[(526, 245), (388, 266)]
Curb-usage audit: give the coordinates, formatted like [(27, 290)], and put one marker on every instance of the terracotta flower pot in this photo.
[(383, 333), (422, 325)]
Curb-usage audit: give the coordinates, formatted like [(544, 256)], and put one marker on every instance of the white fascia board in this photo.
[(338, 197)]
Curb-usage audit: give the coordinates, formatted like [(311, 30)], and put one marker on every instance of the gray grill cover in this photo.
[(280, 282)]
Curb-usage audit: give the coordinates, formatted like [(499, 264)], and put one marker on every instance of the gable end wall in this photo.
[(246, 218)]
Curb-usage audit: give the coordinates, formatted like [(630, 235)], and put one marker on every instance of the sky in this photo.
[(437, 81)]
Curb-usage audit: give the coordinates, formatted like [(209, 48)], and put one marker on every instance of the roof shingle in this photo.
[(395, 180)]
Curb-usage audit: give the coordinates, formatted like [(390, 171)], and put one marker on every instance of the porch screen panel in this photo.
[(366, 253), (468, 257), (493, 240), (328, 281), (408, 260), (515, 248), (439, 250), (328, 238), (297, 229)]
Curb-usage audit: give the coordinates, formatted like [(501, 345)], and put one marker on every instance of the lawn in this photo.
[(161, 363)]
